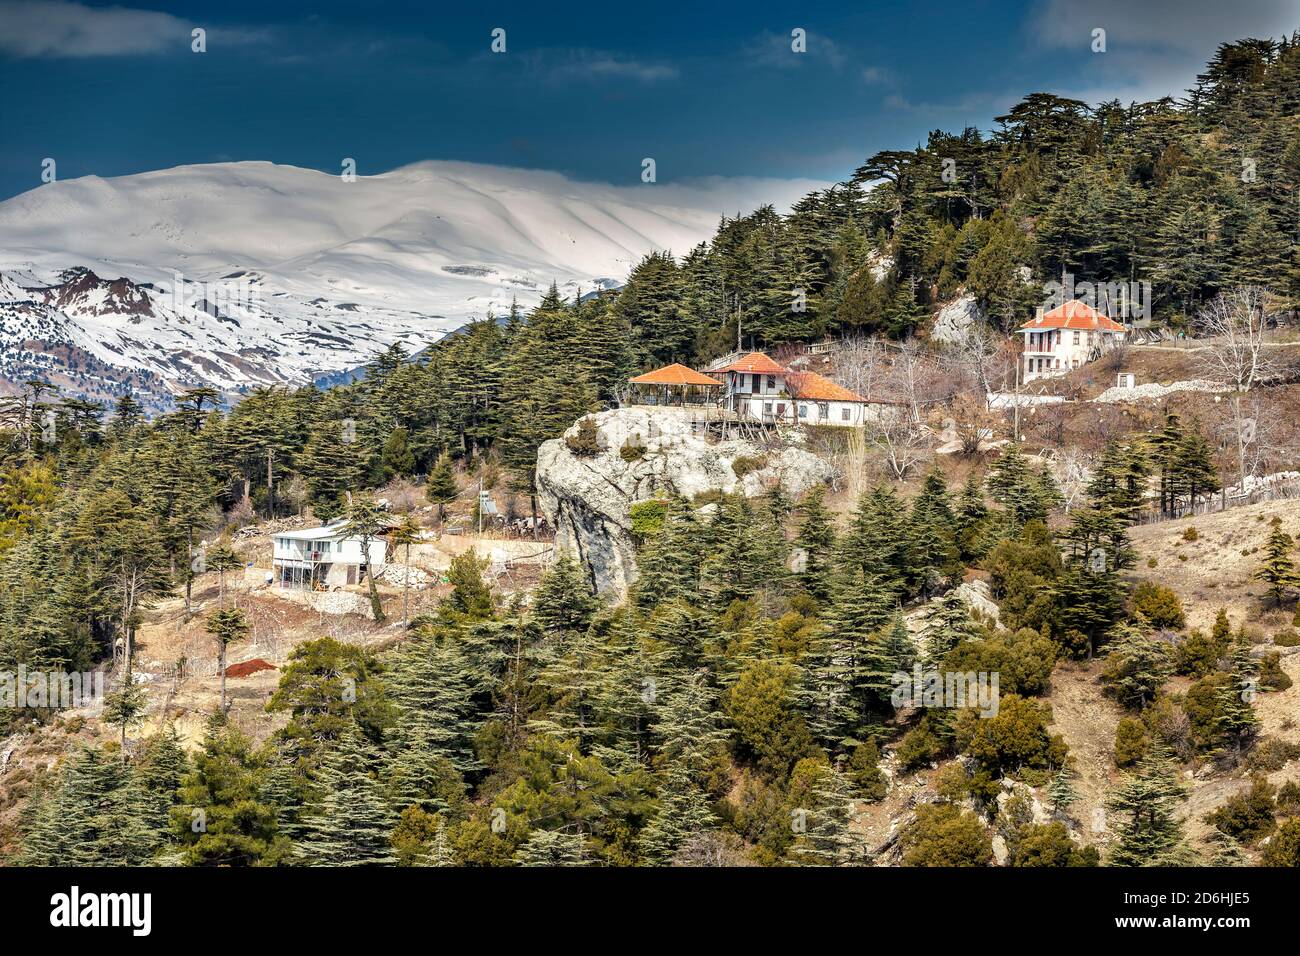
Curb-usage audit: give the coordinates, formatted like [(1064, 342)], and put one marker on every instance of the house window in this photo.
[(767, 408), (771, 383), (803, 411), (844, 414), (1089, 338), (823, 410), (1076, 337)]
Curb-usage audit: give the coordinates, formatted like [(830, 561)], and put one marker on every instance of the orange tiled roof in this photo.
[(1073, 315), (816, 388), (752, 362), (675, 374)]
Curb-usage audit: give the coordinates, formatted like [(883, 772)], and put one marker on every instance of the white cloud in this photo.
[(1154, 48), (579, 64), (61, 28), (775, 50), (1193, 26)]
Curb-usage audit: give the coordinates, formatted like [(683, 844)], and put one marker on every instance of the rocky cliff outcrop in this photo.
[(954, 320), (649, 453)]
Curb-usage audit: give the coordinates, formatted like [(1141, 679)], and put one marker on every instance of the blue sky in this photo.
[(585, 89)]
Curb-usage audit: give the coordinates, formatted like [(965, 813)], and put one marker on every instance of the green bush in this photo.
[(1023, 660), (1287, 638), (1050, 845), (864, 769), (1191, 534), (1014, 740), (1158, 606), (586, 441), (1131, 742), (1271, 675), (647, 518), (631, 450), (1247, 816), (1288, 799), (1198, 654), (1284, 848), (919, 746), (745, 464), (944, 835)]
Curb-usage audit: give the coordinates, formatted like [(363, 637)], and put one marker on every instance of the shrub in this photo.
[(1023, 660), (1015, 739), (1288, 799), (1198, 654), (1247, 816), (1205, 709), (865, 771), (1287, 638), (944, 835), (632, 449), (919, 746), (1272, 754), (1190, 533), (1131, 742), (1158, 606), (1271, 675), (647, 518), (1050, 845), (745, 464), (1284, 848), (586, 441)]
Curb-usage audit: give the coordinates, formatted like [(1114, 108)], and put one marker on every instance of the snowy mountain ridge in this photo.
[(237, 274)]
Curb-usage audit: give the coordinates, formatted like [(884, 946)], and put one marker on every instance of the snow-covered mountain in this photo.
[(242, 273)]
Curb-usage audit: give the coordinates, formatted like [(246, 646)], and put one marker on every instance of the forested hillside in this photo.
[(740, 704)]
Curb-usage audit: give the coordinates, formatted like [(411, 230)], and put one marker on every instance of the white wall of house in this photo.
[(1051, 352), (330, 557), (844, 414)]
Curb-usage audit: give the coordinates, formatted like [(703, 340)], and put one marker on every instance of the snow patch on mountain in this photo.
[(237, 274)]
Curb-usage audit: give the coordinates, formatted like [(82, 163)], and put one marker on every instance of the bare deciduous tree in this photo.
[(1236, 325)]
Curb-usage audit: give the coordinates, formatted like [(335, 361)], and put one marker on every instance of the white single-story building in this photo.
[(323, 557), (819, 401), (1070, 335)]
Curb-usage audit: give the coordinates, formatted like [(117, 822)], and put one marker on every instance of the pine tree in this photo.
[(554, 848), (226, 626), (432, 684), (125, 708), (441, 488), (1278, 569), (828, 838), (1148, 832), (1062, 794), (683, 812), (563, 600), (353, 824), (817, 539), (364, 520), (947, 624)]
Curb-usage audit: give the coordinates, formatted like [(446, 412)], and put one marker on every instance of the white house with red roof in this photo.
[(756, 386), (1068, 336)]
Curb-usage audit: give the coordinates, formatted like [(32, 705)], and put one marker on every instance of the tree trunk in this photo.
[(376, 609), (221, 666), (406, 589)]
